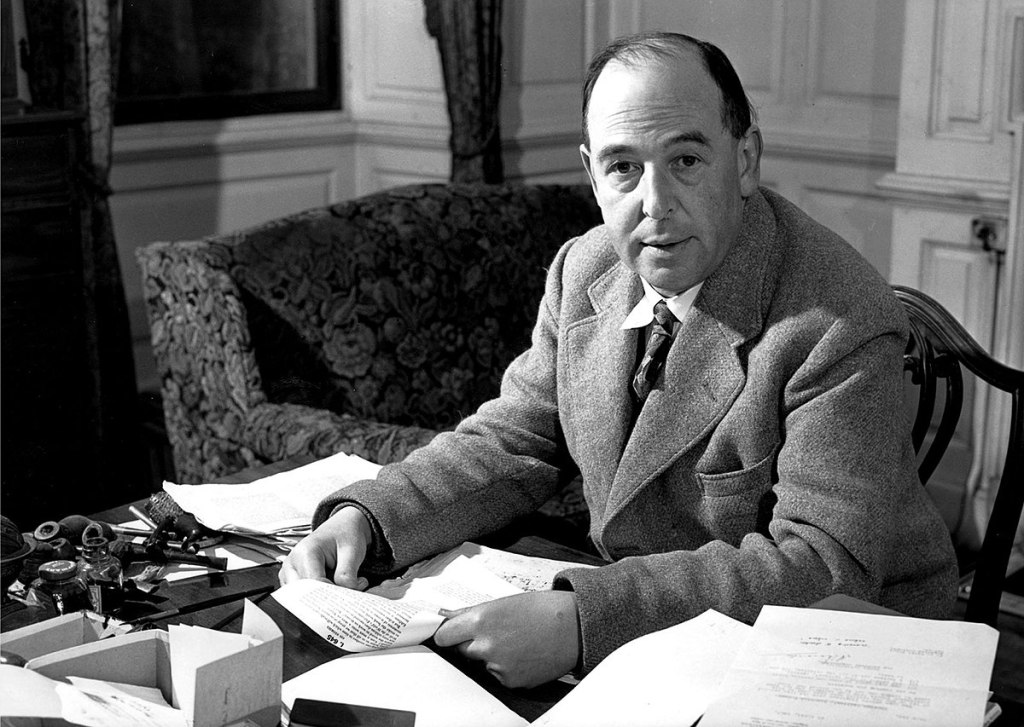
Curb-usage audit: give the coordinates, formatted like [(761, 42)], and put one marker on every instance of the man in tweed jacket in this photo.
[(770, 463)]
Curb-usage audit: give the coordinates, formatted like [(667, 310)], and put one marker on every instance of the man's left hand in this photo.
[(524, 640)]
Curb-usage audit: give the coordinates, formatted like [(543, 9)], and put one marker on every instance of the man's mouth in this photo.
[(661, 243)]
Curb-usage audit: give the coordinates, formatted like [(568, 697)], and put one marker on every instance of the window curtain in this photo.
[(73, 62), (468, 34)]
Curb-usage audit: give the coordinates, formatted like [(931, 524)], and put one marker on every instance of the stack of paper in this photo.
[(805, 666), (281, 504)]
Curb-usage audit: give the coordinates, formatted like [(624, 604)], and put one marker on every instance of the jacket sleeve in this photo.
[(502, 462)]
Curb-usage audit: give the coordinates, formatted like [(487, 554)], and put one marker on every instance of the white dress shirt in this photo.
[(643, 313)]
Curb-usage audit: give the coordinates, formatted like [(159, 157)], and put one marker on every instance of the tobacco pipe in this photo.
[(129, 553), (72, 528), (162, 506)]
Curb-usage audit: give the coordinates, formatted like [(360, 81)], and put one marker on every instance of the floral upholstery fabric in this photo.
[(364, 327)]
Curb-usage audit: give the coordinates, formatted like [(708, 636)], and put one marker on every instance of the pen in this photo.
[(141, 621), (137, 512)]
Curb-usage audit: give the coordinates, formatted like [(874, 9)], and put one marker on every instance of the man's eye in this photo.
[(620, 168), (687, 160)]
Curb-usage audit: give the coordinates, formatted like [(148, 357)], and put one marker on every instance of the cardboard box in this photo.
[(216, 678), (55, 634)]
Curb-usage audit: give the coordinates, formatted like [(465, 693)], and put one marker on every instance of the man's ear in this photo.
[(585, 156), (748, 161)]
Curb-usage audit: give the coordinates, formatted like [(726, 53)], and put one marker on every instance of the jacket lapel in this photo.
[(600, 362), (703, 373)]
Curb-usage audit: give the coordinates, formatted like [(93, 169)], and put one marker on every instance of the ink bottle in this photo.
[(58, 583), (101, 572)]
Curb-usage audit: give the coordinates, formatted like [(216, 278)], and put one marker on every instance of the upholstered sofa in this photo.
[(364, 327)]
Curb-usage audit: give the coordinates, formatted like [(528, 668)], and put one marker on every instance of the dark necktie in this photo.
[(657, 350)]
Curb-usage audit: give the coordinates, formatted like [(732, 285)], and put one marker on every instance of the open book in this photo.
[(405, 611)]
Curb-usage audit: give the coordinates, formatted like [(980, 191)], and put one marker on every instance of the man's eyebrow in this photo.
[(687, 137), (613, 151)]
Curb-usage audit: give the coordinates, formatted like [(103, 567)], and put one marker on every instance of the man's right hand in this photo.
[(334, 551)]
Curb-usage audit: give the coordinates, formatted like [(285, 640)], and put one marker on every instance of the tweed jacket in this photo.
[(770, 464)]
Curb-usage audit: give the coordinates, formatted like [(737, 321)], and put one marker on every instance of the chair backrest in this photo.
[(940, 349), (404, 306)]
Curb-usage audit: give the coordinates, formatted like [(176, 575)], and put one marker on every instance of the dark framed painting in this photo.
[(213, 59)]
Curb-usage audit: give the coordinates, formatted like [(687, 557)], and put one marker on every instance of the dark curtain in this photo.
[(74, 57), (468, 34)]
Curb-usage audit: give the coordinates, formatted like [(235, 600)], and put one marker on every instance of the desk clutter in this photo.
[(112, 568), (76, 563), (95, 658)]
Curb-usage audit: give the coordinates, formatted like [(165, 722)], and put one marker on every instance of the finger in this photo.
[(451, 612), (497, 672), (455, 630), (308, 560), (287, 574), (346, 572)]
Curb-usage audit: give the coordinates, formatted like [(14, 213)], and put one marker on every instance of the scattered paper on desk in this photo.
[(106, 704), (802, 667), (84, 701), (414, 679), (459, 584), (526, 573), (662, 679), (281, 502), (28, 694)]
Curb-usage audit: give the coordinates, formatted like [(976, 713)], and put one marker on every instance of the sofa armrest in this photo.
[(278, 431), (201, 342)]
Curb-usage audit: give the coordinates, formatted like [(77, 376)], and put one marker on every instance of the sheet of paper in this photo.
[(414, 679), (280, 502), (357, 621), (106, 704), (459, 584), (84, 701), (525, 572), (802, 667), (28, 694), (663, 679), (400, 612)]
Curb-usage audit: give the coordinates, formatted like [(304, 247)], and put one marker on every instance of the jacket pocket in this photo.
[(735, 504)]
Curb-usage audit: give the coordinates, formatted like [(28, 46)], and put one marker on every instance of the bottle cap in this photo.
[(57, 570), (94, 542)]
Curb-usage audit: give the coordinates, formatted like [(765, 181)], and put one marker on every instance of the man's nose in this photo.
[(658, 197)]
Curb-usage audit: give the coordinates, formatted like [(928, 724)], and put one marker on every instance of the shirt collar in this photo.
[(643, 313)]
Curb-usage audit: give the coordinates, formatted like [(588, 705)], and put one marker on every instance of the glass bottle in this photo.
[(58, 583), (102, 575)]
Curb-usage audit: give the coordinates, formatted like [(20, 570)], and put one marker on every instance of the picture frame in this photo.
[(213, 59)]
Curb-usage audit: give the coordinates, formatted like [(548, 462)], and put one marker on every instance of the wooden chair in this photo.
[(939, 349)]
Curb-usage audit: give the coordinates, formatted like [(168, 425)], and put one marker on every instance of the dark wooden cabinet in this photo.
[(46, 461)]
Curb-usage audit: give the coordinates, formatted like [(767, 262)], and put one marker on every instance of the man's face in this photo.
[(669, 177)]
